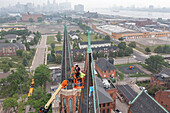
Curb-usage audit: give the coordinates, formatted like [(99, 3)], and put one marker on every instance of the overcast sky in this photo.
[(90, 4)]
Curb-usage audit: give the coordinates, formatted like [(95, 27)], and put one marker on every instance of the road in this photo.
[(40, 53), (139, 55)]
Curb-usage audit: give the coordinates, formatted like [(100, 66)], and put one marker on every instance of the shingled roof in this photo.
[(16, 45), (144, 103), (104, 65), (128, 92), (94, 42), (164, 74), (104, 96)]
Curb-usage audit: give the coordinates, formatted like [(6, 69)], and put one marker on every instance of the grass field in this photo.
[(57, 48), (85, 38), (50, 39)]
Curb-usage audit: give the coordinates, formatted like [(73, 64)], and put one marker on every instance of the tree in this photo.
[(40, 19), (132, 44), (112, 54), (42, 74), (19, 52), (39, 99), (14, 41), (122, 45), (148, 50), (77, 31), (128, 51), (59, 37), (121, 53), (52, 46), (31, 20), (27, 46), (9, 102), (121, 39), (107, 37), (6, 41), (25, 61), (156, 62), (58, 59), (27, 55), (158, 49), (6, 69)]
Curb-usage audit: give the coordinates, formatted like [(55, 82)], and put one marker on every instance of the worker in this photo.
[(77, 70)]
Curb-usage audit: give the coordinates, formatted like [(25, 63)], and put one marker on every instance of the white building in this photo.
[(96, 44)]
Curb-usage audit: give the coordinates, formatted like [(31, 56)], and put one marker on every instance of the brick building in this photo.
[(144, 103), (8, 49), (106, 51), (161, 79), (126, 92), (107, 96), (27, 16), (145, 22), (119, 32), (163, 98), (105, 68)]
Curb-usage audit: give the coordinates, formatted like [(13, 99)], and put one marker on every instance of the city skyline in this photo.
[(92, 4)]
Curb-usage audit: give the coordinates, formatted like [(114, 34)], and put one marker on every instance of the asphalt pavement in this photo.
[(40, 53)]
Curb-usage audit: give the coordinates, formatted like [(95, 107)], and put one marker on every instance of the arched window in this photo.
[(70, 106), (76, 103), (64, 102)]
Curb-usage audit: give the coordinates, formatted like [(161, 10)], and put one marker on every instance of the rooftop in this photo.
[(128, 92), (94, 42), (103, 95), (16, 45), (164, 74), (115, 29), (104, 65), (144, 103)]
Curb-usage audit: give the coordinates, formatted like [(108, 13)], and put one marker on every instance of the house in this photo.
[(74, 37), (8, 49), (94, 44), (163, 98), (105, 68), (161, 79), (144, 103), (126, 93), (107, 96), (106, 51), (10, 37), (30, 37)]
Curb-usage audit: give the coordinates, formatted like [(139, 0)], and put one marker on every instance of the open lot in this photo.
[(152, 41), (85, 38), (53, 29)]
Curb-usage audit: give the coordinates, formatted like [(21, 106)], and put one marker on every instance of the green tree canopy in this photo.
[(9, 102), (58, 59), (147, 50), (107, 37), (156, 62), (42, 74), (19, 52), (132, 44), (158, 49), (122, 45), (52, 46), (40, 19), (59, 36)]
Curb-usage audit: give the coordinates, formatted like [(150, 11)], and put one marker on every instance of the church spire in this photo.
[(67, 62)]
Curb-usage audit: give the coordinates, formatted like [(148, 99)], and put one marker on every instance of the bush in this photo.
[(132, 44)]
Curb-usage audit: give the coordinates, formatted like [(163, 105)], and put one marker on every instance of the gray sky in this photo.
[(90, 4)]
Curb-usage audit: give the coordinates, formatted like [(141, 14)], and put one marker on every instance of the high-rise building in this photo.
[(65, 6), (79, 8)]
